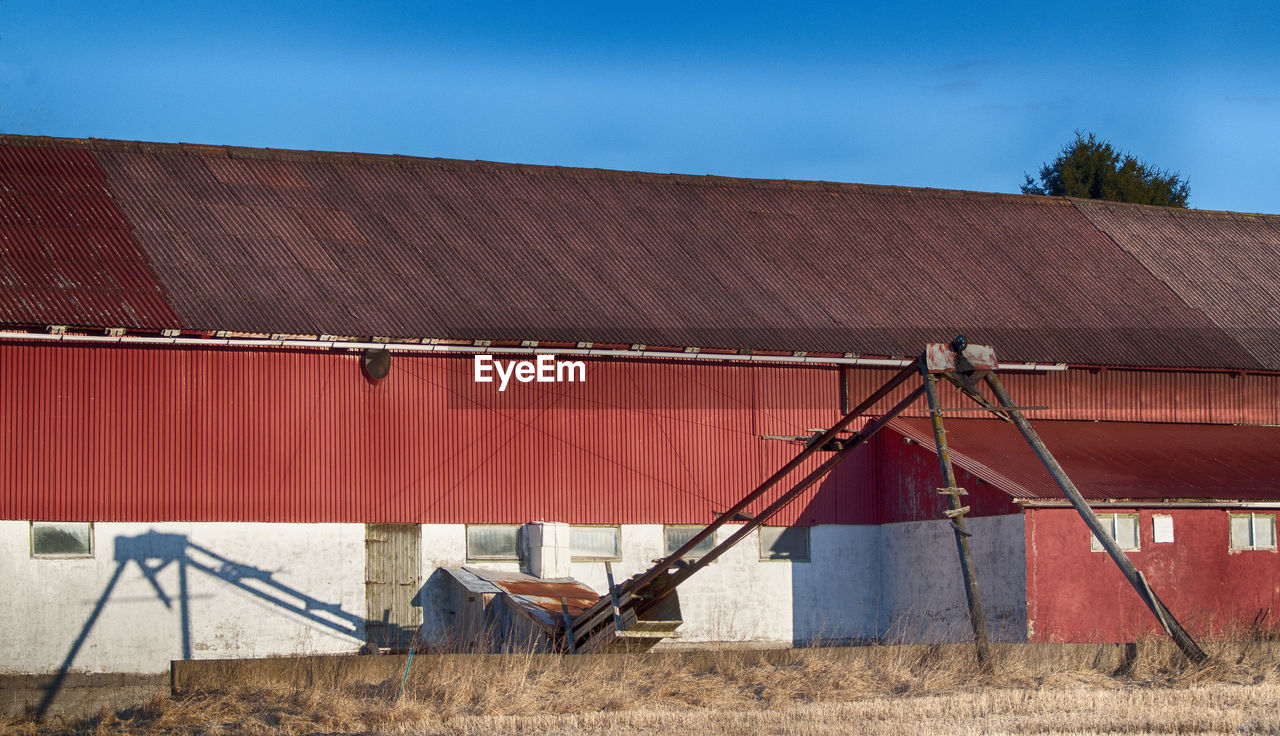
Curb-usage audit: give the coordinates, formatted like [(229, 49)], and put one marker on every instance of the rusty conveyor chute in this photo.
[(642, 610)]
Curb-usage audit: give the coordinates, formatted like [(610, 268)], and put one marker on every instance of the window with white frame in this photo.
[(1122, 527), (784, 543), (493, 542), (1162, 529), (594, 543), (61, 539), (675, 537), (1253, 531)]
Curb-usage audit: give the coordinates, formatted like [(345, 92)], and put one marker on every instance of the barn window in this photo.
[(593, 543), (1162, 529), (676, 536), (1122, 527), (784, 543), (60, 539), (493, 542), (1253, 531)]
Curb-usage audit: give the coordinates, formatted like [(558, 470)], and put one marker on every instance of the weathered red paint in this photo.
[(1075, 594)]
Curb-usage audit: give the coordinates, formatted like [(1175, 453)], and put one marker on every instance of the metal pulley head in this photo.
[(375, 363)]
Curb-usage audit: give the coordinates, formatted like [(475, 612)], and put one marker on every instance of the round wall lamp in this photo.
[(375, 364)]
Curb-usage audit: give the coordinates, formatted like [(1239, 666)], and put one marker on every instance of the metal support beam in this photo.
[(624, 591), (1135, 578), (955, 513), (850, 445)]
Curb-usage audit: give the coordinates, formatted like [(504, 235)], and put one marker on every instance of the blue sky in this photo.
[(955, 95)]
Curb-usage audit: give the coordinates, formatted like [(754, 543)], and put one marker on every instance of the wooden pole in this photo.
[(955, 512)]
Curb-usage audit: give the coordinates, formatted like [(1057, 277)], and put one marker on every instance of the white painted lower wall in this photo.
[(255, 590), (252, 590)]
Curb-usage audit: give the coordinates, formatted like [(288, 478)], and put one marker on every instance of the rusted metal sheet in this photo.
[(317, 243), (152, 434), (496, 611), (543, 597), (1117, 460)]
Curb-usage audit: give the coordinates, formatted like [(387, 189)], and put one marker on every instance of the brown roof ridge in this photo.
[(286, 154), (1175, 211), (312, 155)]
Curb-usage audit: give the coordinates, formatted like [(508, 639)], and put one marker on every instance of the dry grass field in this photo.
[(865, 690)]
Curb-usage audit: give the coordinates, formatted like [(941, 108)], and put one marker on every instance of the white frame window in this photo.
[(1162, 529), (1252, 531), (675, 535), (775, 541), (61, 540), (1123, 527), (484, 541), (588, 542)]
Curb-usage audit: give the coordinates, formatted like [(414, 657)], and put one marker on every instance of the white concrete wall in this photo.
[(277, 589), (922, 593), (257, 590), (738, 597)]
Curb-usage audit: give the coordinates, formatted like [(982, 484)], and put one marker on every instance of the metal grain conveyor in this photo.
[(639, 612)]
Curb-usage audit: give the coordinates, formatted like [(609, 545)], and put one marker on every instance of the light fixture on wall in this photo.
[(375, 364)]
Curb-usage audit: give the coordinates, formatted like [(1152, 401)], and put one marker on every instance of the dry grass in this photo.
[(873, 690)]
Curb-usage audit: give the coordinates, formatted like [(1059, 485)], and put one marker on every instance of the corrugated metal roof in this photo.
[(324, 243), (1116, 460), (1225, 265)]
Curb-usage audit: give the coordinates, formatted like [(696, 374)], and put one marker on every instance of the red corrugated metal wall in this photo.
[(1121, 395), (113, 433), (147, 434), (1075, 594)]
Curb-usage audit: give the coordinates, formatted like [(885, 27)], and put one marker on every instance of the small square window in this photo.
[(593, 543), (675, 537), (61, 539), (784, 543), (493, 542), (1253, 531), (1122, 527)]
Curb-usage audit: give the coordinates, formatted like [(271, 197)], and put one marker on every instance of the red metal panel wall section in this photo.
[(115, 433), (141, 434), (1075, 594), (1118, 460), (1117, 395)]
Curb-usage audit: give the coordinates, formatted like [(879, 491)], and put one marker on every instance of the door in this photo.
[(392, 579)]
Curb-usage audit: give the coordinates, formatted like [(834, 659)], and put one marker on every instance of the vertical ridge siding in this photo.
[(152, 434), (1115, 395), (143, 434)]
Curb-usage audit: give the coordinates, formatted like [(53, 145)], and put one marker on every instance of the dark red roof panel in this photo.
[(287, 241), (1223, 264), (67, 255), (1116, 460)]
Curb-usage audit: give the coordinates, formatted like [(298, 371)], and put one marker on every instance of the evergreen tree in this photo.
[(1092, 169)]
